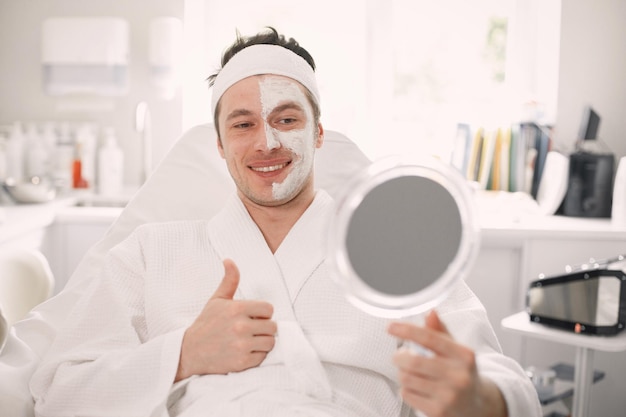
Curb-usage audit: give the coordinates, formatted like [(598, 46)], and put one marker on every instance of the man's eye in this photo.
[(287, 120), (242, 125)]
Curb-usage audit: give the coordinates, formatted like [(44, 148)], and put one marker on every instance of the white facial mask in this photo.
[(274, 91)]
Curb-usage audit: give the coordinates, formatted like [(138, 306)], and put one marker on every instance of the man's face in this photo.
[(268, 138)]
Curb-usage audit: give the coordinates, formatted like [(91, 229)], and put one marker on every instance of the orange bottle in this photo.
[(78, 181)]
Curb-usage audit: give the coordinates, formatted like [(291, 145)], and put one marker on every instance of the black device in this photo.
[(588, 301), (590, 185), (590, 124), (590, 182)]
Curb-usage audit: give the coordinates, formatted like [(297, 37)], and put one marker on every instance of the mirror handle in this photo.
[(416, 349)]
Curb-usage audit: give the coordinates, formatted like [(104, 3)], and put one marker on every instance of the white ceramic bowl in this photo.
[(30, 192)]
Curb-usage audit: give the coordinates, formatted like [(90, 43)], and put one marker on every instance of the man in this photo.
[(238, 316)]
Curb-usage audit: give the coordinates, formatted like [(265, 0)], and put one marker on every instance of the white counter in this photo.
[(509, 218), (87, 214), (20, 219), (504, 219)]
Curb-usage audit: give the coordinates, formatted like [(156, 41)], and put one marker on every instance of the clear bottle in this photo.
[(3, 157), (15, 153), (36, 155), (63, 159), (110, 165), (49, 141)]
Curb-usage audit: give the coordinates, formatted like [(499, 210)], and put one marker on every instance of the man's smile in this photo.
[(270, 168)]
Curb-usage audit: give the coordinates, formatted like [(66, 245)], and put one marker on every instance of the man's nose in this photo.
[(268, 139)]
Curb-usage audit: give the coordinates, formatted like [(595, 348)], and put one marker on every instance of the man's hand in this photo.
[(446, 383), (228, 335)]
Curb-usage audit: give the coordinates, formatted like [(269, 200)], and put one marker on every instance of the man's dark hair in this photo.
[(269, 37)]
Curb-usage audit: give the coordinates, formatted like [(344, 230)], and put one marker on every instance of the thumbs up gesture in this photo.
[(228, 335)]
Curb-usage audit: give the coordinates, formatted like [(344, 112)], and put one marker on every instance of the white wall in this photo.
[(21, 91), (593, 69)]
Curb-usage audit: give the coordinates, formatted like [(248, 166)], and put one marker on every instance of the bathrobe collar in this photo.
[(276, 278)]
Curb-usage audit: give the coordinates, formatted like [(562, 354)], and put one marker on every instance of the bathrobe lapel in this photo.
[(304, 248), (234, 235), (278, 279)]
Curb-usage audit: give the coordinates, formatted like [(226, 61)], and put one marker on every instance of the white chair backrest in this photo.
[(25, 281)]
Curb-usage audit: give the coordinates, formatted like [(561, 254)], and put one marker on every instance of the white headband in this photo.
[(264, 59)]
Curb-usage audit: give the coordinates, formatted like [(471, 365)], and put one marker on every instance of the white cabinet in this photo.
[(62, 231), (494, 279), (74, 231)]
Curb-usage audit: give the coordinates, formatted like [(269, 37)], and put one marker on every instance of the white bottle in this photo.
[(36, 153), (15, 153), (110, 165), (63, 159), (49, 141), (3, 158)]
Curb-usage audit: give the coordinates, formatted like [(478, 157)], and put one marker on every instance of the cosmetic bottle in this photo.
[(110, 165)]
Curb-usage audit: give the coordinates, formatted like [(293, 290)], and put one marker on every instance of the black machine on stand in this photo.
[(584, 308)]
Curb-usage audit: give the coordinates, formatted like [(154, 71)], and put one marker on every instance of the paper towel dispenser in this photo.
[(165, 51), (85, 55)]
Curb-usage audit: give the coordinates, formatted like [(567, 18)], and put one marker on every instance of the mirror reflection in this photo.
[(404, 234)]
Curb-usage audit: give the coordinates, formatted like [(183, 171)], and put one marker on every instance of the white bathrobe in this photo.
[(118, 354)]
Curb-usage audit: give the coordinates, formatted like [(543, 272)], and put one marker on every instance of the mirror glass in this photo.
[(433, 239), (403, 235), (594, 301)]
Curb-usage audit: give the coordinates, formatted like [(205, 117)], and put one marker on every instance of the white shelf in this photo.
[(520, 322)]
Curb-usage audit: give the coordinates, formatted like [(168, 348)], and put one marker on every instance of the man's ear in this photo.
[(220, 148), (320, 136)]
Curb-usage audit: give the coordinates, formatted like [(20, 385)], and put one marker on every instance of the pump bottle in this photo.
[(110, 165)]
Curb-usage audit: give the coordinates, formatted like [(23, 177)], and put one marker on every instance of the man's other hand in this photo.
[(446, 383)]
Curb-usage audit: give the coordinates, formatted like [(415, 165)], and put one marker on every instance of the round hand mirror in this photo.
[(404, 233)]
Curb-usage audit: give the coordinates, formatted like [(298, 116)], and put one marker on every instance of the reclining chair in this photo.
[(190, 183)]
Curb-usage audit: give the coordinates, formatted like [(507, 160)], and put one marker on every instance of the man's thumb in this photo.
[(228, 286)]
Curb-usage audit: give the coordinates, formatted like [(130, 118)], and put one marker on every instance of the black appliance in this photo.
[(590, 185), (590, 182)]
